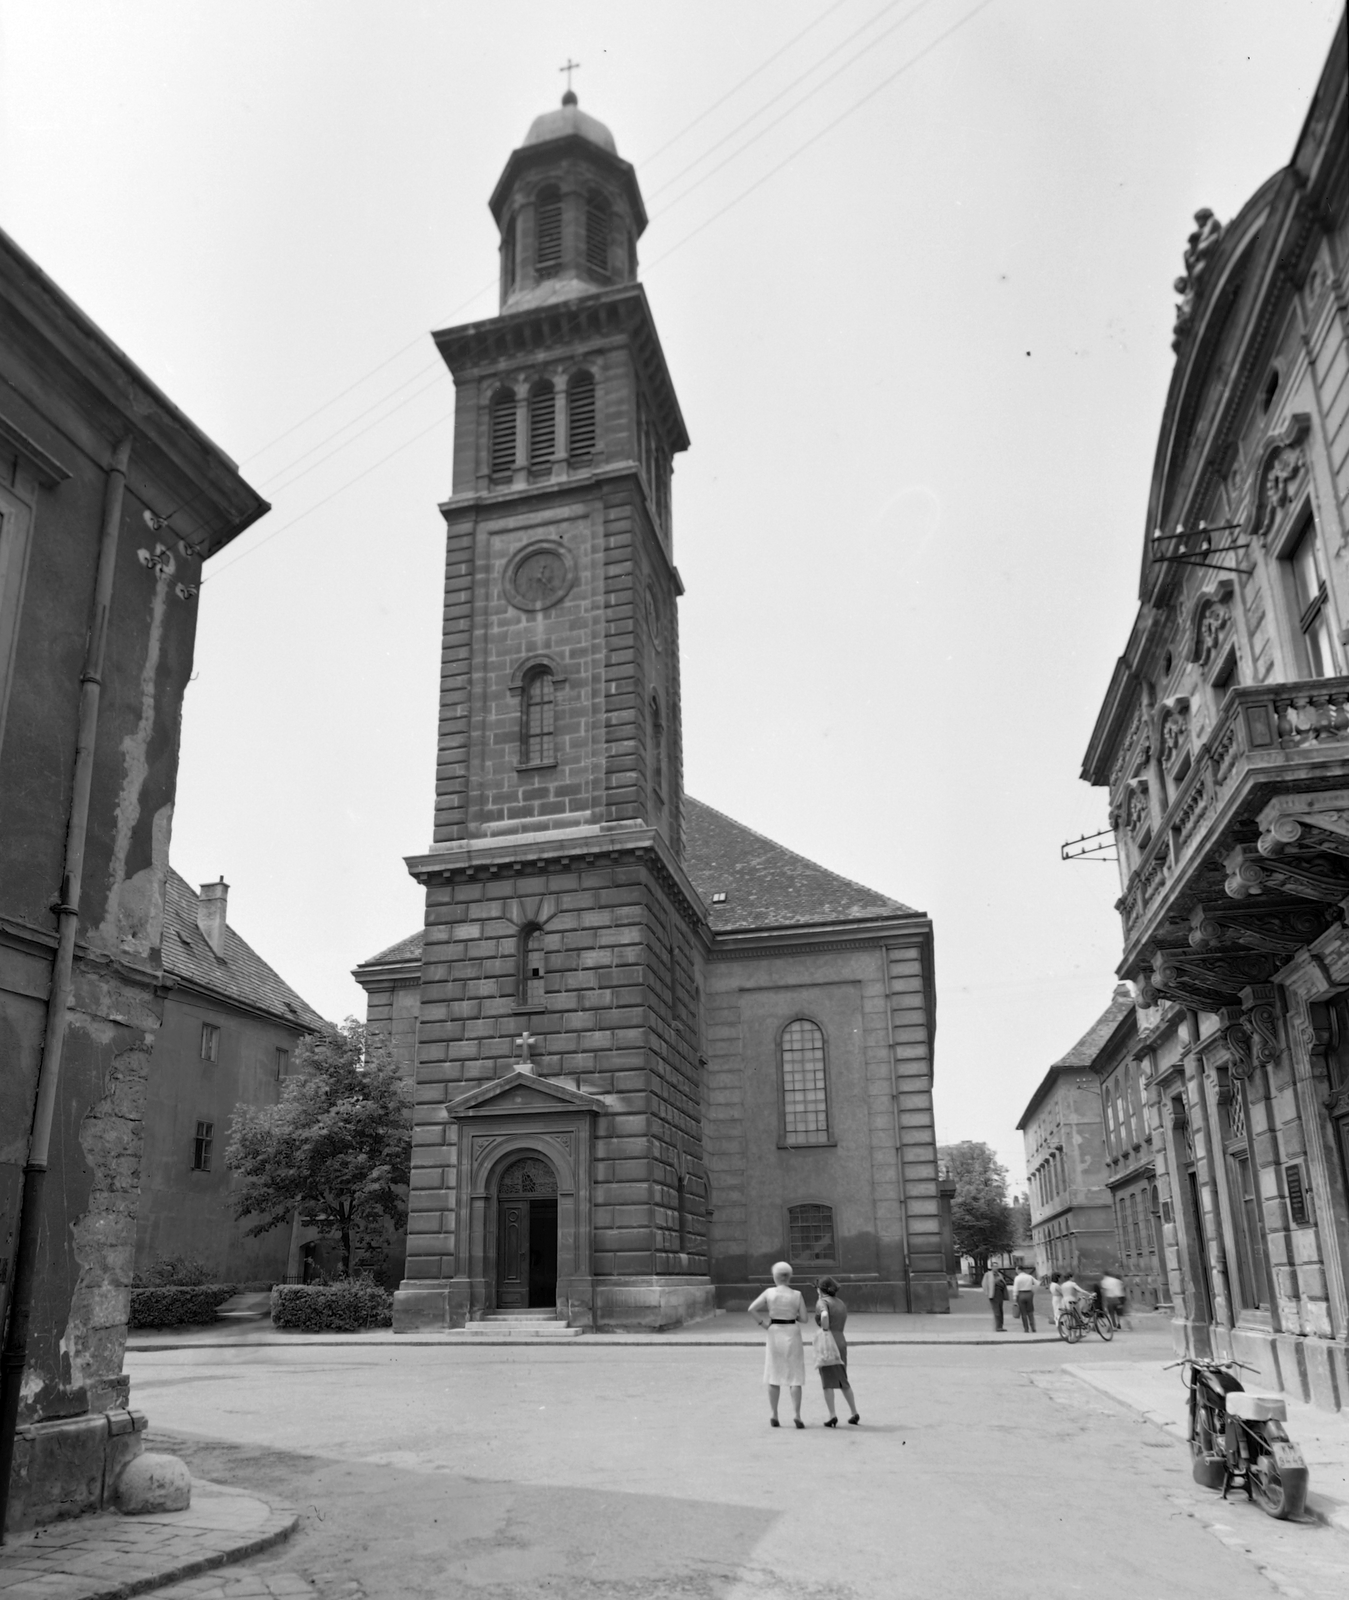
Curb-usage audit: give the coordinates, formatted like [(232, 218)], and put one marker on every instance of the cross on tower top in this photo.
[(524, 1040), (569, 99)]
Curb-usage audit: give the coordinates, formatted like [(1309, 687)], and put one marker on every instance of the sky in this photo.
[(911, 262)]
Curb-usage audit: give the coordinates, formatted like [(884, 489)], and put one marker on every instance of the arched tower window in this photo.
[(805, 1099), (598, 225), (657, 746), (529, 987), (508, 259), (503, 433), (580, 416), (537, 699), (542, 424), (548, 232)]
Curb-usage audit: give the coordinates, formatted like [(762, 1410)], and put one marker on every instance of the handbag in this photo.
[(826, 1351)]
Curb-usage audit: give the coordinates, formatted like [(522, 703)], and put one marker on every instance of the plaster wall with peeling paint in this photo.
[(68, 398)]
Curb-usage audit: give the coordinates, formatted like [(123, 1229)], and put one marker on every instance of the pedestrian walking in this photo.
[(1023, 1287), (1055, 1296), (1112, 1297), (996, 1290), (782, 1310), (832, 1315)]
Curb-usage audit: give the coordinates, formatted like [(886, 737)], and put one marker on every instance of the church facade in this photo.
[(653, 1051)]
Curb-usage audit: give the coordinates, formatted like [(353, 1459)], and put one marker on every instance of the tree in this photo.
[(981, 1219), (1021, 1233), (338, 1145)]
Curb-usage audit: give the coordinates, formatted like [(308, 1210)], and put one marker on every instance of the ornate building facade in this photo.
[(1224, 744), (654, 1052)]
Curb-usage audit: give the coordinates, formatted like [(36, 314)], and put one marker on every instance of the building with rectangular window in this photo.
[(1067, 1170), (654, 1052), (1223, 746), (230, 1024)]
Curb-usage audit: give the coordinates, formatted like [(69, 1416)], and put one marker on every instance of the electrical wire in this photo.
[(820, 133), (786, 90)]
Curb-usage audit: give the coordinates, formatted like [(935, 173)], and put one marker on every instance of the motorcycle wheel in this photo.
[(1105, 1328), (1282, 1494)]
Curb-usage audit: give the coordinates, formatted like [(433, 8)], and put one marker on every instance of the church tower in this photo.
[(558, 1160)]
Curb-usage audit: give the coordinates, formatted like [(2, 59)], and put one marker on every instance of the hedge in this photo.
[(174, 1307), (331, 1307)]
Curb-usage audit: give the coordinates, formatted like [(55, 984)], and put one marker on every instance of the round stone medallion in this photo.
[(539, 576)]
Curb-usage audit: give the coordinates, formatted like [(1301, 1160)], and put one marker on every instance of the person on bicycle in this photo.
[(1112, 1297), (1056, 1296), (1073, 1293)]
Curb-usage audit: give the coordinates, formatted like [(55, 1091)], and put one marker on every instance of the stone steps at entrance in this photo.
[(520, 1325)]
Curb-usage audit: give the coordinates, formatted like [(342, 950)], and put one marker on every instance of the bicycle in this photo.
[(1079, 1316)]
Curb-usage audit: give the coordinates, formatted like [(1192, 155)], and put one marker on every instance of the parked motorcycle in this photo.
[(1238, 1439)]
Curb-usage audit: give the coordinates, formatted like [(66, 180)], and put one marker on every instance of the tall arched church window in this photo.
[(537, 701), (597, 234), (529, 988), (810, 1234), (503, 433), (548, 232), (805, 1098), (508, 257), (542, 424), (580, 416)]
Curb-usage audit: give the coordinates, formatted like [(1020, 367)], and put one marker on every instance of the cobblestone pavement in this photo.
[(628, 1474), (109, 1556)]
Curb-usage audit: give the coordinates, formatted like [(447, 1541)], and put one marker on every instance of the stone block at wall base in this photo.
[(929, 1294), (651, 1303), (1325, 1363), (420, 1306), (70, 1466)]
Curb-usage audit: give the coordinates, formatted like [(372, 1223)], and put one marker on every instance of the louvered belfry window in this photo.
[(581, 416), (542, 424), (508, 257), (536, 718), (805, 1101), (597, 234), (503, 433), (548, 233)]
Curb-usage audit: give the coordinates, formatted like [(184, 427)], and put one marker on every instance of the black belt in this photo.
[(783, 1322)]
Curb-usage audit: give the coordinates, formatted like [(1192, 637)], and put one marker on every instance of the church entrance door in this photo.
[(527, 1236)]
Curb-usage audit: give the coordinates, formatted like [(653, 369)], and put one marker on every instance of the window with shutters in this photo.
[(1312, 604), (581, 416), (529, 988), (548, 232), (537, 701), (597, 234), (503, 433), (810, 1235), (508, 259), (542, 424), (210, 1042), (805, 1099)]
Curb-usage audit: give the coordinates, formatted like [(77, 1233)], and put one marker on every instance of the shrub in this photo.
[(173, 1272), (341, 1307), (176, 1305)]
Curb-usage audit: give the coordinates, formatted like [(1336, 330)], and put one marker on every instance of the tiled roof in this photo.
[(242, 976), (1093, 1041), (409, 949), (765, 884)]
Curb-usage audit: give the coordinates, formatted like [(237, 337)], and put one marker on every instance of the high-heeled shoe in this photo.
[(832, 1423), (798, 1422), (774, 1423), (854, 1419)]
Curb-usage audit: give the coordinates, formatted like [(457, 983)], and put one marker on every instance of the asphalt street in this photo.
[(593, 1474)]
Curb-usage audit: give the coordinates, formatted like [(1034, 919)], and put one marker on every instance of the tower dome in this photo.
[(569, 211), (569, 120)]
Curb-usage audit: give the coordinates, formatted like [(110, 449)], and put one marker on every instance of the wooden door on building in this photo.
[(527, 1236)]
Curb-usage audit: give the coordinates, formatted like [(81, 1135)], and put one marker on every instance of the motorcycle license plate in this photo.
[(1287, 1455)]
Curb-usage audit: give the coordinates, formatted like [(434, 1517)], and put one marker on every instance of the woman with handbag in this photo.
[(784, 1309), (831, 1349)]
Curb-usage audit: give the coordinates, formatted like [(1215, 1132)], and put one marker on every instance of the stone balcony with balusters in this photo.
[(1268, 741)]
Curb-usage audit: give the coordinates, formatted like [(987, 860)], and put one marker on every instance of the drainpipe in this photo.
[(899, 1135), (15, 1356)]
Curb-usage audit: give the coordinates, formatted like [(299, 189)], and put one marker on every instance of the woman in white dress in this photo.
[(782, 1310)]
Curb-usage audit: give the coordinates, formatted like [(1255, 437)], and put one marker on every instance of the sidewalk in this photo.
[(968, 1323), (107, 1556), (1323, 1436)]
